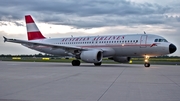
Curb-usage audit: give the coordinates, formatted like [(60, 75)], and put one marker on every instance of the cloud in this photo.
[(85, 14), (106, 16)]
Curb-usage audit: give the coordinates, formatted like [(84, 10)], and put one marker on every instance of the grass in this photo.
[(175, 60)]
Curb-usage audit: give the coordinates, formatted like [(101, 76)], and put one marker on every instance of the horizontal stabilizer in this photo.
[(5, 39)]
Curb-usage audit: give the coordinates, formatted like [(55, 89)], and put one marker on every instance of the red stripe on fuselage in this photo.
[(120, 45), (101, 46)]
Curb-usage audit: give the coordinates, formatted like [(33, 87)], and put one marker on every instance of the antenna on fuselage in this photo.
[(144, 32)]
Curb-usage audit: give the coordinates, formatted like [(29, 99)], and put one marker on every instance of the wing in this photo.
[(53, 46), (71, 49)]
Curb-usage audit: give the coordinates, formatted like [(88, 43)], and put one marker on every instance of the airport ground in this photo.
[(52, 81)]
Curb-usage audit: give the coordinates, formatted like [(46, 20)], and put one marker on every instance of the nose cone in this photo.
[(172, 48)]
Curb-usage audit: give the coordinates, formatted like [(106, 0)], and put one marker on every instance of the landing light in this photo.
[(146, 60)]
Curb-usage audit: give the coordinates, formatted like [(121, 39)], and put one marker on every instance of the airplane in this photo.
[(92, 49)]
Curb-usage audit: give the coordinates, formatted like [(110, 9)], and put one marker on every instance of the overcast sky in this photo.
[(63, 18)]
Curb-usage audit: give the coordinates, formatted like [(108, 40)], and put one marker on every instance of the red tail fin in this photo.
[(32, 30)]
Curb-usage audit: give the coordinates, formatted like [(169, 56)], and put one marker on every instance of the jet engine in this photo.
[(91, 56), (121, 59)]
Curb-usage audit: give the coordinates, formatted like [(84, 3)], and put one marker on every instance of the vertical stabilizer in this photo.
[(33, 32)]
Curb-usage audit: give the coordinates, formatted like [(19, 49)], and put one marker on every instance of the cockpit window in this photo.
[(164, 40), (156, 40), (160, 40)]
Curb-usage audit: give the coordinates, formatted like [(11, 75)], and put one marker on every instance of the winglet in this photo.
[(5, 39)]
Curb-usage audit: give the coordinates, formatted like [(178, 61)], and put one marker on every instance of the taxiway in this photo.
[(40, 81)]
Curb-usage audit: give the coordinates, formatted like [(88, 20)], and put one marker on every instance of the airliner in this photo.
[(92, 49)]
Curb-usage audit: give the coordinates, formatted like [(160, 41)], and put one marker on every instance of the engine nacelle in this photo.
[(121, 59), (91, 56)]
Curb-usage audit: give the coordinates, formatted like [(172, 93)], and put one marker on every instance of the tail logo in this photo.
[(33, 32)]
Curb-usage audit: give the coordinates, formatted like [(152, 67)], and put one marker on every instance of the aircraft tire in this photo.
[(147, 64), (76, 63), (97, 64)]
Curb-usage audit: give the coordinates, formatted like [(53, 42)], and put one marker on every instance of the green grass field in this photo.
[(169, 60)]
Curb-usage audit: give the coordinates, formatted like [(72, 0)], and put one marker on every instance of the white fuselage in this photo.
[(114, 45)]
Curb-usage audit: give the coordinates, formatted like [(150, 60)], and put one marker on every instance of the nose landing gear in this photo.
[(146, 64)]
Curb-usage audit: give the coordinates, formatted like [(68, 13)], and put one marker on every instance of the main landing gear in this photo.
[(97, 64), (76, 62), (146, 64)]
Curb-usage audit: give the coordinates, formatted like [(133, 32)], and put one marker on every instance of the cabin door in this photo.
[(143, 41)]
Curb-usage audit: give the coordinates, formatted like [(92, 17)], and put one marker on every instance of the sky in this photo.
[(63, 18)]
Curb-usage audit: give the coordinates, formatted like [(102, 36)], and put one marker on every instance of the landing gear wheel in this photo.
[(147, 64), (97, 64), (76, 62)]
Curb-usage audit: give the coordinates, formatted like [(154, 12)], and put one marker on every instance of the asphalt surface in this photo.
[(38, 81)]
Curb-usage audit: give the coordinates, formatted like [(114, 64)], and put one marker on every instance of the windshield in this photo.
[(160, 40)]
